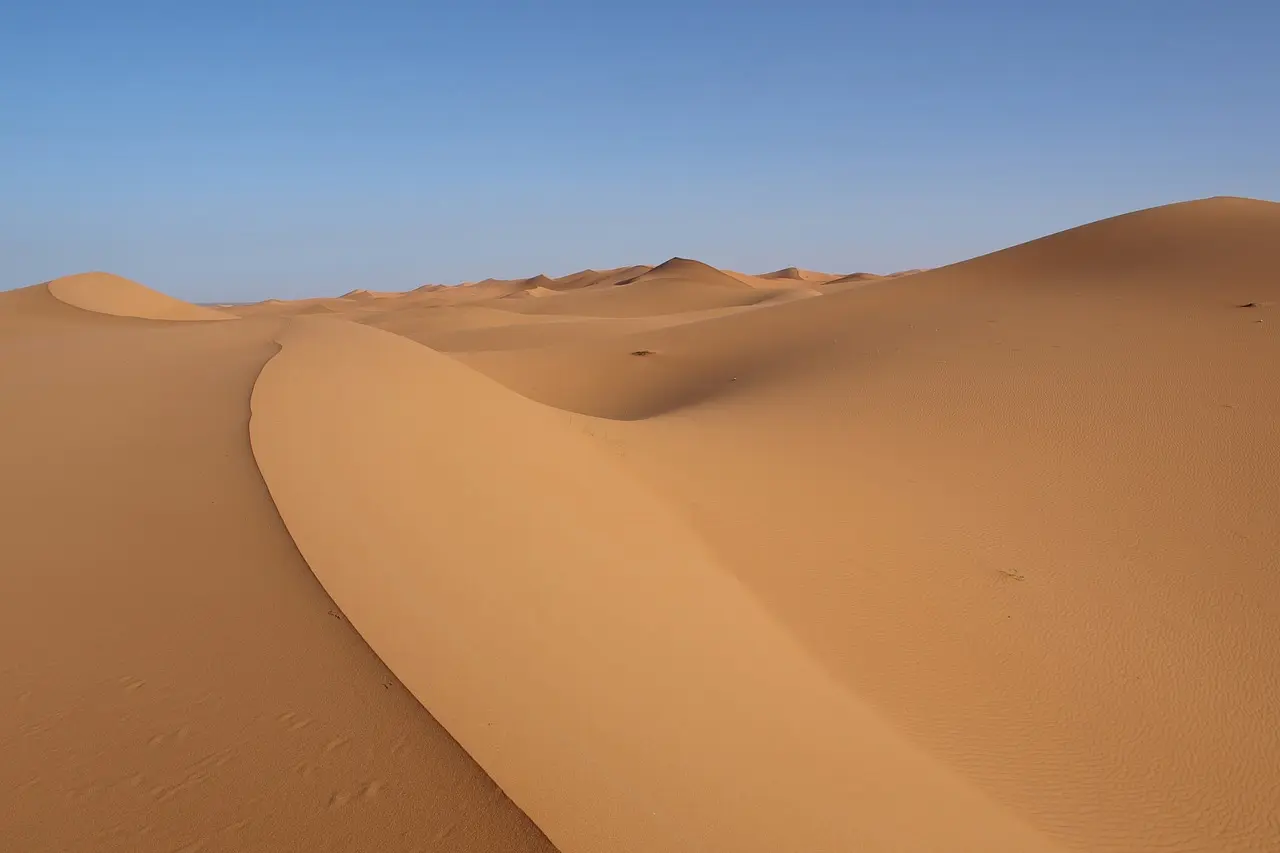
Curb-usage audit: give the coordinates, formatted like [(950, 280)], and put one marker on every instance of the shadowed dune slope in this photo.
[(104, 293), (172, 676), (611, 677)]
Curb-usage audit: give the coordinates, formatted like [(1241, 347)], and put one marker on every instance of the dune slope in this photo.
[(104, 293), (172, 677), (1024, 505), (566, 628)]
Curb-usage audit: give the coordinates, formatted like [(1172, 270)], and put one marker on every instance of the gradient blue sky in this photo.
[(239, 150)]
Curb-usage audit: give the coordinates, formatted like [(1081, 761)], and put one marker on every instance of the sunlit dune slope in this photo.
[(568, 628)]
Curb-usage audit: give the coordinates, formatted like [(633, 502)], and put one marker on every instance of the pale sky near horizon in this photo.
[(239, 150)]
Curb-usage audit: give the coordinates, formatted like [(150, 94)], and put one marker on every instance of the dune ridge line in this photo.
[(567, 629)]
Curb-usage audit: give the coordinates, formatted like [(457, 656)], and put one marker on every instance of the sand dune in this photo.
[(171, 675), (587, 278), (797, 274), (674, 287), (685, 270), (850, 280), (1049, 492), (982, 557), (104, 293), (595, 662)]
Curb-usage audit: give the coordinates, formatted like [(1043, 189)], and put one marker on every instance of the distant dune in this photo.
[(686, 270), (104, 293), (797, 274), (674, 287), (587, 278), (671, 558)]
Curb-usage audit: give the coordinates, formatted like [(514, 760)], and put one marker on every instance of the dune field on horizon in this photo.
[(666, 558)]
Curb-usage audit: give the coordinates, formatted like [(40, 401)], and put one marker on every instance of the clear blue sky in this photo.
[(239, 150)]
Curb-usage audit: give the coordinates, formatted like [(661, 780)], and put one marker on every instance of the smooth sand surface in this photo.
[(985, 557), (572, 632), (172, 676)]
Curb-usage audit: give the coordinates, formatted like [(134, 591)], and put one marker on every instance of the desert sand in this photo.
[(661, 558)]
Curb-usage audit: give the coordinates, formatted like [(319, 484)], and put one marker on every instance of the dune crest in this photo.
[(613, 680), (797, 274), (687, 270), (1215, 237), (589, 278), (104, 293)]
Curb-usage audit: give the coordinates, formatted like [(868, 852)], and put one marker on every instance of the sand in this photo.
[(666, 558), (172, 676)]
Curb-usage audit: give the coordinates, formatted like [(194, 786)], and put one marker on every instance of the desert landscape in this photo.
[(662, 558)]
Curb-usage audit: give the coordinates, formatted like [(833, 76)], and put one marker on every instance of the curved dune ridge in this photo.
[(104, 293), (670, 558), (172, 676), (1113, 363), (615, 681)]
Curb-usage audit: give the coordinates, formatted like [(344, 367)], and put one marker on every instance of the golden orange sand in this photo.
[(979, 558)]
